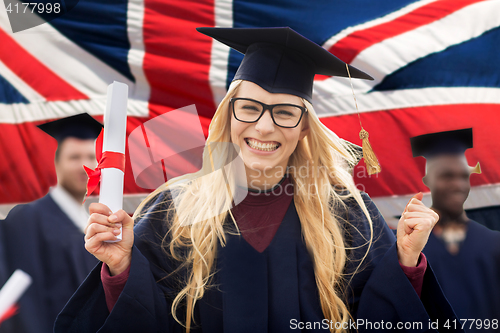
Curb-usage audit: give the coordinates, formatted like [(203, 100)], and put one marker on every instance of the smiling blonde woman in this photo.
[(303, 250)]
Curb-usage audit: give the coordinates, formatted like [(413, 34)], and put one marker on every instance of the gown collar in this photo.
[(75, 212)]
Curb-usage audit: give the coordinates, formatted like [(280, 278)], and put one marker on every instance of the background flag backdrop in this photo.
[(436, 67)]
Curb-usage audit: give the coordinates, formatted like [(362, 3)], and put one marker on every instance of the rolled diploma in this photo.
[(13, 289), (115, 123)]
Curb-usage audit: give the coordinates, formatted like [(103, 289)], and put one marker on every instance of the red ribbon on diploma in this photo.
[(108, 159)]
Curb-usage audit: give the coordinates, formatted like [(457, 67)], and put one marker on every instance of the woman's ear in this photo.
[(305, 129)]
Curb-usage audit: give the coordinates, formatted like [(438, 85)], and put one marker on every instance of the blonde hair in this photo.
[(315, 196)]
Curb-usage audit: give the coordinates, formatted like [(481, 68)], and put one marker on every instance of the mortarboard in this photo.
[(280, 60), (449, 142), (81, 126), (444, 143)]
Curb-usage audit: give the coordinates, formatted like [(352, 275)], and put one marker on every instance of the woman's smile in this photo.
[(262, 147)]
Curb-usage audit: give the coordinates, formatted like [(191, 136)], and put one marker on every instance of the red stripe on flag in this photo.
[(177, 59), (130, 185), (27, 169), (34, 73), (390, 133), (350, 46)]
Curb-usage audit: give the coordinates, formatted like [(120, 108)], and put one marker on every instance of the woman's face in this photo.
[(264, 145)]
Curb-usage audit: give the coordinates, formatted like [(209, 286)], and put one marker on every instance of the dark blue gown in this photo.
[(470, 279), (3, 264), (41, 240), (272, 291)]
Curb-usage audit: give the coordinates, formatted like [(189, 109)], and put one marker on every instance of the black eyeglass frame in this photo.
[(269, 107)]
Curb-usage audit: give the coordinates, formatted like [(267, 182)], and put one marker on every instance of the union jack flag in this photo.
[(435, 63)]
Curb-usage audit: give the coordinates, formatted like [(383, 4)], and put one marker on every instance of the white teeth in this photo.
[(262, 146)]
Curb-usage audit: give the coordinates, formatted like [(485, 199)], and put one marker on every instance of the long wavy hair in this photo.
[(326, 159)]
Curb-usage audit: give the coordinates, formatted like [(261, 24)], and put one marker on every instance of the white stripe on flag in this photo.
[(135, 17), (384, 19), (21, 86), (220, 52), (20, 112), (327, 105)]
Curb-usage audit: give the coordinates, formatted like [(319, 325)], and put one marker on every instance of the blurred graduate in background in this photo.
[(464, 254), (45, 238)]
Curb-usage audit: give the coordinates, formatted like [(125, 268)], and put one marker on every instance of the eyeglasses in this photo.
[(248, 110)]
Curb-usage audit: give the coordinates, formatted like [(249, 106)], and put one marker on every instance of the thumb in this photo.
[(417, 196), (122, 217)]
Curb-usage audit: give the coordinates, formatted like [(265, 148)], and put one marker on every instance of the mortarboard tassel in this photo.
[(369, 156), (371, 160), (476, 169)]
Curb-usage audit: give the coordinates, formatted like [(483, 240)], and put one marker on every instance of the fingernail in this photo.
[(118, 225), (113, 218), (116, 231)]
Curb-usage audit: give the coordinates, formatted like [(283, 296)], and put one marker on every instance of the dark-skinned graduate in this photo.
[(464, 254), (305, 250), (45, 238)]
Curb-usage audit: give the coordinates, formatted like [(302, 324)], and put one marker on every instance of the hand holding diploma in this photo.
[(100, 236), (110, 151)]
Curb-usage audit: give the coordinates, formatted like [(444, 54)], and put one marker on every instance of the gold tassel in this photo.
[(371, 160), (476, 169)]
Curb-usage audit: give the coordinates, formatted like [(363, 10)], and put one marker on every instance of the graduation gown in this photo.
[(41, 240), (272, 291), (3, 264), (471, 278)]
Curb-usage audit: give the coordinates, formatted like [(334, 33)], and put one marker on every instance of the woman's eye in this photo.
[(250, 108), (283, 112)]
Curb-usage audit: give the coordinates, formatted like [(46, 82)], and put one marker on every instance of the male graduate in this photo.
[(464, 254), (45, 238)]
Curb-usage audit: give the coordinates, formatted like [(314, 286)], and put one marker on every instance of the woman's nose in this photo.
[(265, 124)]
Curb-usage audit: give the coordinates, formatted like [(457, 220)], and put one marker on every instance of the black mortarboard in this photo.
[(280, 60), (81, 126), (449, 142)]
